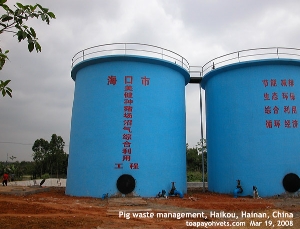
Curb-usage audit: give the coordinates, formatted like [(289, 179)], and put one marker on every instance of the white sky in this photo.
[(199, 30)]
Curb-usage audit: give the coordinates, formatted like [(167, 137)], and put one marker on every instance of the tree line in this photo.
[(17, 169), (49, 160), (49, 157), (194, 161)]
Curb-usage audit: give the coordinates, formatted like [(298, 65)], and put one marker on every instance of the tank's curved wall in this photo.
[(252, 112), (128, 118)]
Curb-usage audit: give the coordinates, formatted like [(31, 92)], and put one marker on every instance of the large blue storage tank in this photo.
[(128, 128), (253, 133)]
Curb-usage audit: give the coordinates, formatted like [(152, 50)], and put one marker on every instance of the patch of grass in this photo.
[(193, 176)]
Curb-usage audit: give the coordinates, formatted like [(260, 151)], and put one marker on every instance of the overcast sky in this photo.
[(199, 30)]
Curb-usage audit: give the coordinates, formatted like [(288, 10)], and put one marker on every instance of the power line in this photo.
[(19, 143)]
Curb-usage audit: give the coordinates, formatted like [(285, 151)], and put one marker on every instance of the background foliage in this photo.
[(194, 162)]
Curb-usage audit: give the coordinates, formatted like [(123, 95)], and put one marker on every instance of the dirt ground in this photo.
[(53, 209)]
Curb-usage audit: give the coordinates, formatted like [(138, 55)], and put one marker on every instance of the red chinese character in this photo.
[(128, 95), (145, 81), (128, 79), (128, 101), (275, 109), (285, 95), (269, 123), (291, 83), (286, 109), (111, 80), (292, 96), (127, 122), (127, 128), (127, 115), (126, 157), (127, 136), (274, 96), (127, 144), (295, 123), (267, 96), (265, 82), (118, 165), (127, 108), (267, 109), (283, 83), (294, 110), (273, 83), (126, 151), (277, 123), (287, 123), (128, 88), (134, 165)]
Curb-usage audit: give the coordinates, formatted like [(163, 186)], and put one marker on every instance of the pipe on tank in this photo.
[(176, 192), (236, 192), (238, 189)]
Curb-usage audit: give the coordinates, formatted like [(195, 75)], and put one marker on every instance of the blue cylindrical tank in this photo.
[(253, 133), (128, 127)]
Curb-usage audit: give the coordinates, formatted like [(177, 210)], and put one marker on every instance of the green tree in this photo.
[(56, 153), (196, 170), (2, 166), (50, 156), (193, 159), (40, 149), (14, 21), (28, 168), (202, 151)]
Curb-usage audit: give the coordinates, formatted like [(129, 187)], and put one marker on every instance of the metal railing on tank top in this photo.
[(251, 54), (130, 49)]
